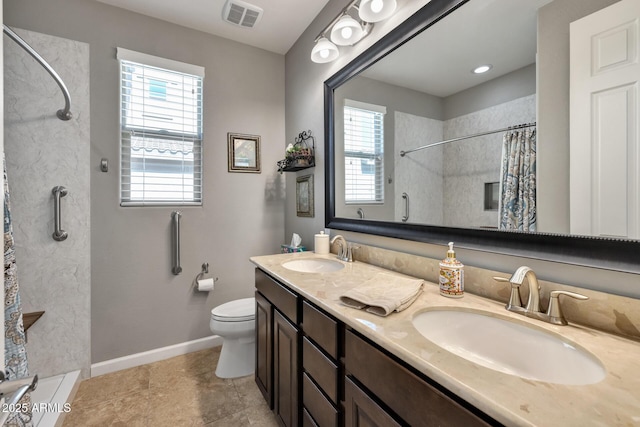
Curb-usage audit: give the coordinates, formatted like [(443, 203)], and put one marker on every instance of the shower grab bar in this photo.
[(405, 196), (175, 222), (59, 234), (62, 114), (18, 387)]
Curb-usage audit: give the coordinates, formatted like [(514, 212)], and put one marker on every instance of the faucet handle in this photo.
[(515, 300), (350, 249), (555, 311)]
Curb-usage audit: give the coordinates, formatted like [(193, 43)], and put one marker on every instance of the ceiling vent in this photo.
[(241, 13)]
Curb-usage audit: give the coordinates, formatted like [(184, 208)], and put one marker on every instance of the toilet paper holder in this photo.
[(205, 270)]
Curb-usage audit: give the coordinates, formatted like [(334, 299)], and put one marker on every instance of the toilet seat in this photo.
[(239, 310)]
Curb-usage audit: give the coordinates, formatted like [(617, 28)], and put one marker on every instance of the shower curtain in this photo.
[(517, 206), (15, 354)]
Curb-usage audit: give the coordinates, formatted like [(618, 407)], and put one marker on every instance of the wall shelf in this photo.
[(301, 155), (28, 319)]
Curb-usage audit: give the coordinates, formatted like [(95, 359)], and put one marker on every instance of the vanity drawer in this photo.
[(307, 421), (321, 328), (323, 371), (321, 410), (414, 399), (282, 298)]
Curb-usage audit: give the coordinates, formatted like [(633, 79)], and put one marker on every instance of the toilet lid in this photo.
[(235, 311)]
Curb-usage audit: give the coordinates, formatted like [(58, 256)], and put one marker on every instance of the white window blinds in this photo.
[(363, 152), (161, 131)]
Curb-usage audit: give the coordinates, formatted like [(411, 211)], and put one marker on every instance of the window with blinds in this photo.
[(161, 131), (363, 153)]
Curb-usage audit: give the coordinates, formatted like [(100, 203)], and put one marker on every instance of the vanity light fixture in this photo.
[(376, 10), (324, 51), (347, 28), (482, 69), (347, 31)]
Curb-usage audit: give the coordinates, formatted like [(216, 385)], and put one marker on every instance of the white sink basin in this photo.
[(509, 347), (320, 265)]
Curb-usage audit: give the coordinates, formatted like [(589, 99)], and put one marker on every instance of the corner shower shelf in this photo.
[(28, 319)]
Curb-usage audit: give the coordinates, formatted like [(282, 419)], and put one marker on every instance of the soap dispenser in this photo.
[(451, 275)]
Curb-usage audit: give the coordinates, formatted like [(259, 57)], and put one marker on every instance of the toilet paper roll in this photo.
[(205, 285)]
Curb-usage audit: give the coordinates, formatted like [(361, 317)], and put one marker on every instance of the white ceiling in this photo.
[(282, 23), (439, 61)]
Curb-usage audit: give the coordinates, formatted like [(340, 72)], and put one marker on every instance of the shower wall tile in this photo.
[(42, 152), (473, 162), (419, 174)]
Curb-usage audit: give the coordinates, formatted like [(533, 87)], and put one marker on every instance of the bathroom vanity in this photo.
[(319, 363), (314, 353)]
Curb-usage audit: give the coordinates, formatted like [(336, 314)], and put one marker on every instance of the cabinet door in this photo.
[(361, 411), (285, 371), (264, 349)]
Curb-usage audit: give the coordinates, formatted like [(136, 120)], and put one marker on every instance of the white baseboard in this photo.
[(133, 360)]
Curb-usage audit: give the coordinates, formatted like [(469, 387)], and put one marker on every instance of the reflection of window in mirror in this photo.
[(363, 152)]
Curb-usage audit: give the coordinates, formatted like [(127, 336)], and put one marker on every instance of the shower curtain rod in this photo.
[(525, 125), (63, 114)]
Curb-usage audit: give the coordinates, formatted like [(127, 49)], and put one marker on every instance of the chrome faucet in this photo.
[(346, 249), (553, 314), (517, 279)]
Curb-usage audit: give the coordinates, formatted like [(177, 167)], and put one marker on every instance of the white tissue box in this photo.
[(287, 249)]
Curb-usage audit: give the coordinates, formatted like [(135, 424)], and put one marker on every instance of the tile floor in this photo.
[(177, 392)]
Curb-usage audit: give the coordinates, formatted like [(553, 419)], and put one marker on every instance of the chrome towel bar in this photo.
[(175, 235), (59, 234)]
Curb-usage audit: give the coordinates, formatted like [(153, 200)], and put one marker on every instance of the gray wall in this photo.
[(43, 152), (396, 99), (514, 85), (136, 303), (304, 109), (553, 108)]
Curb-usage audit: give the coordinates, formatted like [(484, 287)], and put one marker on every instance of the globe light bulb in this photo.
[(347, 32), (376, 6), (324, 53)]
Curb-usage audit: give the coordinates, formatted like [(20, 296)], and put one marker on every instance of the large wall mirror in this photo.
[(421, 147)]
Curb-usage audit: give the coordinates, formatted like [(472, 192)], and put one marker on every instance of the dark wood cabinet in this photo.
[(264, 343), (414, 399), (315, 371), (322, 372), (360, 410), (285, 370), (278, 348)]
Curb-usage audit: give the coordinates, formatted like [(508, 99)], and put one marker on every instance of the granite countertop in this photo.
[(509, 399)]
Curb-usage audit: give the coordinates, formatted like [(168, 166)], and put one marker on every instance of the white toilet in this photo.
[(235, 322)]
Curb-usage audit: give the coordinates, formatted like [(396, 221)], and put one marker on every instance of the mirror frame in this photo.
[(604, 253)]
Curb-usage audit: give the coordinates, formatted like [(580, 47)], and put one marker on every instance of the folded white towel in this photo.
[(383, 294)]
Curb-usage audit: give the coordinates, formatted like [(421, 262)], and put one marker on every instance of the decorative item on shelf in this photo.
[(299, 155)]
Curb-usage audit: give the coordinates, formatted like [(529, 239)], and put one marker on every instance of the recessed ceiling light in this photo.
[(482, 69)]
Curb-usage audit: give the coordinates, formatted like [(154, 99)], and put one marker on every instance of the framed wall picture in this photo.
[(304, 195), (243, 152)]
